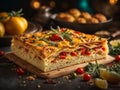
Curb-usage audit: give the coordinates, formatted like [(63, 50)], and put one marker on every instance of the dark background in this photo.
[(92, 6), (9, 80), (8, 5)]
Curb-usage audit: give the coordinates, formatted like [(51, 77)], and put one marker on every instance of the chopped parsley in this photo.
[(114, 50)]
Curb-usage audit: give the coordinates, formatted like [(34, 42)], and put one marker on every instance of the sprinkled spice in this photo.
[(31, 78), (50, 81), (33, 36), (38, 86), (1, 53), (25, 39)]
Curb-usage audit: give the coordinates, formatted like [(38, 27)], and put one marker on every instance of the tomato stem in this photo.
[(15, 13)]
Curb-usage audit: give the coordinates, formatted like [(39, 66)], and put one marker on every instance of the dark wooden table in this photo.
[(10, 80)]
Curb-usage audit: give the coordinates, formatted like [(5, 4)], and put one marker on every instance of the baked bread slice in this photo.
[(59, 48)]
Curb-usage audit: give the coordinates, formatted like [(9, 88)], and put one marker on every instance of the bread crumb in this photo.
[(31, 78), (50, 81), (91, 82), (23, 81), (66, 77), (38, 86)]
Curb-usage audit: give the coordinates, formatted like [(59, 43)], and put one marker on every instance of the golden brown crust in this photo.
[(81, 20), (58, 48), (75, 15), (65, 17), (100, 17), (42, 41), (75, 12), (93, 20), (86, 15)]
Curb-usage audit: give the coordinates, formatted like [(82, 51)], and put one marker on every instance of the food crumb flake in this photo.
[(50, 81), (30, 78), (66, 77), (38, 86), (79, 86)]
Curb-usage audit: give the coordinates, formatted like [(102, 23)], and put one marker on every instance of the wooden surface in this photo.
[(54, 73)]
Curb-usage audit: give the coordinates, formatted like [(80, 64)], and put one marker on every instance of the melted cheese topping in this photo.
[(58, 38)]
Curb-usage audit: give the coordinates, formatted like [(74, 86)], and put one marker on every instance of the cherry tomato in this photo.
[(1, 53), (62, 57), (87, 52), (73, 53), (82, 50), (20, 71), (103, 48), (54, 61), (97, 48), (55, 37), (77, 32), (80, 70), (62, 29), (63, 53), (117, 58), (87, 77)]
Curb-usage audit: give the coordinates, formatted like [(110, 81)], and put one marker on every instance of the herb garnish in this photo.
[(50, 42), (115, 68), (114, 50), (63, 35), (93, 69), (54, 31), (40, 44)]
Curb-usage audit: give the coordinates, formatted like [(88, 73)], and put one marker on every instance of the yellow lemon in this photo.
[(100, 83), (110, 76)]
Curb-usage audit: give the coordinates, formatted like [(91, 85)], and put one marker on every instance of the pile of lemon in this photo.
[(12, 23), (107, 76)]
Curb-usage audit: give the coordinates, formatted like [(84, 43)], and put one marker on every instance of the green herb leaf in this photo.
[(50, 42), (68, 36), (63, 35), (93, 69), (40, 45), (115, 68), (114, 50)]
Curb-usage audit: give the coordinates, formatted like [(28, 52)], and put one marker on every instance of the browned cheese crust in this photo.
[(58, 48)]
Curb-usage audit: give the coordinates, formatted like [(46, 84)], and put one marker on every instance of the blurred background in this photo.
[(40, 10), (30, 7)]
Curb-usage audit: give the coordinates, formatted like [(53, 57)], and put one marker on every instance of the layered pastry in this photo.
[(59, 48)]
